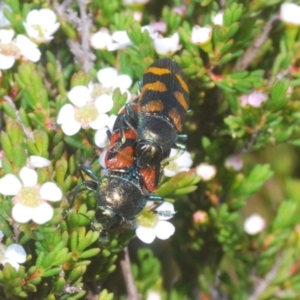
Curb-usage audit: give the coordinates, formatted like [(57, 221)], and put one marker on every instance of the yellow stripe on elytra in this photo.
[(182, 101), (182, 83), (153, 106), (157, 71), (175, 117), (156, 86)]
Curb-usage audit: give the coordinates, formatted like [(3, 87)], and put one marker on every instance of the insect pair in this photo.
[(140, 144)]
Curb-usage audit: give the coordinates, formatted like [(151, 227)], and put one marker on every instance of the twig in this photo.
[(250, 144), (264, 283), (132, 293), (87, 63), (253, 49), (81, 52)]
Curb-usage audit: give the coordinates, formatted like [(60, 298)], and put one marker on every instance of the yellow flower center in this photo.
[(10, 50), (29, 196), (40, 30), (86, 114), (99, 90), (147, 218)]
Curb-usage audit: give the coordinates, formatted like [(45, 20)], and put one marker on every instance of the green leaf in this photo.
[(52, 272), (104, 295), (278, 94), (6, 145), (90, 253), (135, 33), (80, 78)]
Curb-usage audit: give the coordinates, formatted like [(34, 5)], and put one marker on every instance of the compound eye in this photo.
[(147, 154)]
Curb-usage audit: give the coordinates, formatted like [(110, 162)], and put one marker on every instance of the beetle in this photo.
[(119, 194), (140, 144), (159, 117), (120, 155), (147, 128)]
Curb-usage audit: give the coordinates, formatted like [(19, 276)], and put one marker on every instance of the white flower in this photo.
[(151, 225), (234, 163), (206, 171), (41, 24), (254, 224), (200, 217), (35, 161), (101, 39), (255, 99), (179, 10), (29, 196), (167, 45), (8, 49), (152, 30), (290, 13), (89, 109), (179, 164), (218, 18), (19, 48), (101, 138), (13, 255), (102, 159), (121, 41), (138, 16), (155, 27), (28, 49), (201, 35), (153, 295), (3, 21), (110, 80)]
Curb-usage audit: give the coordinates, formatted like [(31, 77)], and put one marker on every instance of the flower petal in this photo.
[(12, 263), (104, 103), (38, 161), (121, 37), (164, 230), (100, 122), (6, 35), (102, 159), (43, 213), (169, 172), (71, 127), (21, 213), (79, 95), (111, 122), (28, 176), (47, 17), (6, 62), (106, 76), (51, 192), (16, 253), (101, 138), (101, 39), (123, 82), (66, 113), (184, 160), (165, 211), (28, 48), (254, 224), (145, 234), (10, 185)]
